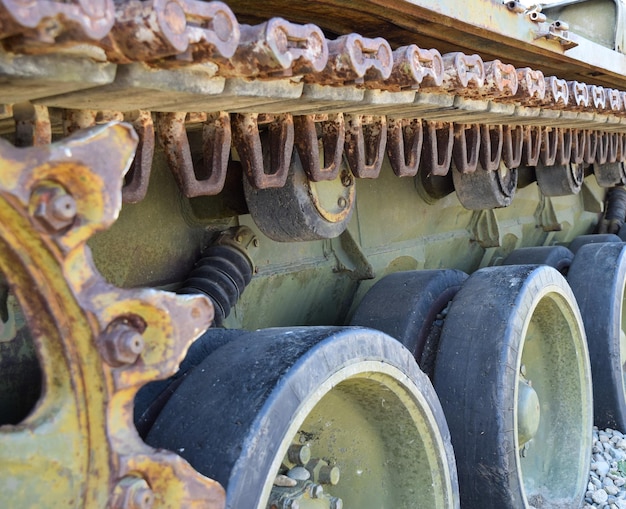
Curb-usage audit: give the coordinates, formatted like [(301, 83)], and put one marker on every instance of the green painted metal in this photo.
[(157, 241)]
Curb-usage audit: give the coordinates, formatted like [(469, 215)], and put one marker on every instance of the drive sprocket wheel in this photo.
[(97, 344)]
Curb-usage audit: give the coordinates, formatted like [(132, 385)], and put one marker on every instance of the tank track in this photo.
[(171, 67), (189, 68)]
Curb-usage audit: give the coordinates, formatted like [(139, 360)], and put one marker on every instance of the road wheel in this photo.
[(560, 180), (597, 238), (483, 189), (285, 416), (558, 257), (409, 306), (597, 277), (303, 209), (514, 381)]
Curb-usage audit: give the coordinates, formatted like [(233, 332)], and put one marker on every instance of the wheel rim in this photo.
[(334, 199), (553, 363), (507, 179), (360, 423)]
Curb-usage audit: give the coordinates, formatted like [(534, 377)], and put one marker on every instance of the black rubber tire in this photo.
[(477, 375), (525, 176), (230, 416), (151, 398), (405, 305), (609, 174), (482, 189), (598, 238), (560, 180), (288, 213), (558, 257), (433, 188), (597, 277)]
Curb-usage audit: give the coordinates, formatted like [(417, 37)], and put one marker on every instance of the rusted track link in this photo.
[(289, 83)]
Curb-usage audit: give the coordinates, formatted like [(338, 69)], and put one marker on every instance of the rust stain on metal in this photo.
[(331, 136), (216, 134), (365, 143), (532, 145), (98, 344), (172, 32), (437, 149), (138, 176), (512, 145), (277, 48), (463, 74), (32, 125), (264, 170), (414, 68), (467, 141), (356, 59), (42, 22), (405, 138), (491, 137)]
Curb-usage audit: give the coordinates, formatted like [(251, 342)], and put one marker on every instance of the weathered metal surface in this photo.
[(45, 21), (186, 30), (32, 125), (276, 48), (458, 108), (437, 149), (332, 137), (216, 149), (366, 139), (404, 145), (137, 178), (268, 170), (467, 141), (512, 146), (465, 25), (413, 68), (97, 344), (354, 58)]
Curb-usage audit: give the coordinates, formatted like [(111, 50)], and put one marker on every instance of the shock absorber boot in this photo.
[(615, 210), (223, 272)]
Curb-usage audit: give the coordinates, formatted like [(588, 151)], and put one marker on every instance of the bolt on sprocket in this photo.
[(97, 344)]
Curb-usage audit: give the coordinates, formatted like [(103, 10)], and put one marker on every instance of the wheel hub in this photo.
[(528, 412)]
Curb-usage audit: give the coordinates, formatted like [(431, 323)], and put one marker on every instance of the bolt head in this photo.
[(134, 493), (336, 503), (329, 475), (316, 491), (122, 345), (299, 454), (53, 208), (291, 503)]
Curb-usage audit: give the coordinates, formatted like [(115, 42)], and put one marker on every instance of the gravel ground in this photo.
[(607, 477)]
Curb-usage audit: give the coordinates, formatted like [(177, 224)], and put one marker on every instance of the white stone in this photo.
[(611, 490), (600, 496), (601, 467)]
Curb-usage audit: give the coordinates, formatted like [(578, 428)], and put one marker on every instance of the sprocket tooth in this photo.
[(167, 324), (163, 469), (82, 173)]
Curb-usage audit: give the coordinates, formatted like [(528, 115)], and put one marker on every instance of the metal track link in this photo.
[(183, 62)]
